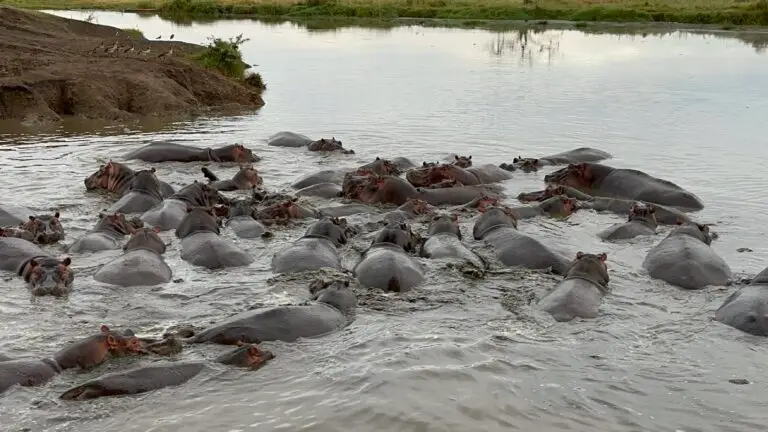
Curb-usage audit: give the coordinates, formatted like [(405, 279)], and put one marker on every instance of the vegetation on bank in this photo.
[(134, 32), (723, 12), (225, 57)]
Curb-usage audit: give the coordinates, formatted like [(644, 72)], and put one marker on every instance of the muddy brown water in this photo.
[(457, 354)]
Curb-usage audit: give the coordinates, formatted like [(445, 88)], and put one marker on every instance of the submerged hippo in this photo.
[(461, 161), (172, 152), (202, 245), (285, 210), (168, 214), (379, 166), (411, 209), (106, 235), (143, 193), (602, 180), (498, 228), (41, 229), (444, 241), (296, 140), (685, 259), (317, 248), (579, 294), (141, 264), (329, 312), (747, 308), (246, 178), (579, 155), (325, 190), (558, 206), (85, 353), (154, 377), (386, 265), (43, 274), (394, 190), (641, 221), (429, 176), (117, 178), (240, 218)]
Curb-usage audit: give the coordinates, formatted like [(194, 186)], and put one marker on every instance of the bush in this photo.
[(255, 80), (134, 32), (224, 56)]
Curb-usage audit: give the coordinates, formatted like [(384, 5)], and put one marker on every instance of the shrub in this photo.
[(224, 56), (134, 32), (255, 80)]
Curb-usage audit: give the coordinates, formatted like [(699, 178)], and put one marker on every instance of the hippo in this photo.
[(117, 178), (85, 354), (325, 190), (283, 211), (484, 174), (106, 235), (411, 209), (316, 249), (202, 245), (154, 377), (168, 214), (641, 221), (559, 206), (498, 228), (580, 292), (579, 155), (379, 166), (684, 258), (142, 263), (461, 161), (329, 311), (13, 215), (18, 233), (40, 229), (246, 178), (143, 193), (747, 308), (172, 152), (240, 219), (602, 180), (444, 241), (386, 265), (43, 274), (394, 190), (296, 140)]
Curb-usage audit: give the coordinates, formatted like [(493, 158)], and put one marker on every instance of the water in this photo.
[(457, 354)]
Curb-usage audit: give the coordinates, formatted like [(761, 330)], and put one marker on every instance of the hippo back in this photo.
[(288, 139), (515, 249), (246, 227), (139, 267), (387, 267), (13, 215), (134, 202), (626, 230), (14, 252), (686, 262), (167, 215), (209, 250), (447, 245), (747, 308), (26, 372), (306, 253), (572, 298)]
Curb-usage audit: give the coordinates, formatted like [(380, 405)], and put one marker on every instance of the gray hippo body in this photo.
[(172, 152), (240, 219), (641, 221), (386, 265), (13, 215), (685, 259), (378, 166), (321, 177), (168, 214), (475, 175), (394, 190), (43, 274), (579, 155), (513, 248), (325, 190), (602, 180), (202, 245), (580, 293), (412, 208), (328, 313), (444, 241), (297, 140), (143, 193), (142, 264), (316, 249), (27, 372), (106, 235), (747, 308), (117, 178), (556, 206)]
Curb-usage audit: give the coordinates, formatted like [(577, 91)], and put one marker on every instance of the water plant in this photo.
[(225, 57)]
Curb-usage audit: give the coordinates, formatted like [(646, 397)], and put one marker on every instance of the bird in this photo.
[(158, 37), (128, 50), (112, 49), (146, 51), (166, 54), (171, 38)]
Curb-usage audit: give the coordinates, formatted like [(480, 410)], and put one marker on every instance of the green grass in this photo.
[(719, 12), (134, 32), (225, 57)]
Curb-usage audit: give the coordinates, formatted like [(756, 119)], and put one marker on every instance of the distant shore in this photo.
[(725, 13)]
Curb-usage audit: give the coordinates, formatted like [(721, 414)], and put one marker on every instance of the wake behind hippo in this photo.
[(43, 274), (641, 221), (117, 178), (685, 258), (498, 228), (316, 249), (580, 293), (747, 308), (602, 180), (444, 241), (297, 140), (168, 214), (202, 245), (386, 265), (173, 152), (141, 264), (579, 155), (329, 311)]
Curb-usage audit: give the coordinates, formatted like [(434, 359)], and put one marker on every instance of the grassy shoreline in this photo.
[(707, 12)]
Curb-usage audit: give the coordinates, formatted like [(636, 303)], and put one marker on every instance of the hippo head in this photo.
[(590, 267), (359, 188), (324, 144), (146, 238), (445, 223), (526, 164), (107, 177), (578, 176), (127, 343), (169, 345), (336, 293), (428, 176), (693, 229), (484, 202), (268, 198), (208, 196), (462, 161), (287, 209), (379, 167), (642, 212), (334, 229), (239, 208), (549, 192), (246, 355), (114, 222), (426, 164), (493, 217), (417, 207), (49, 276), (232, 153), (247, 177), (46, 229), (399, 234), (558, 206)]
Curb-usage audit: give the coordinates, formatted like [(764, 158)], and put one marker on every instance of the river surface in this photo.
[(456, 354)]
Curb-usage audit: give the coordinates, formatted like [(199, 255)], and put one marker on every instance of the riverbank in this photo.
[(720, 12), (52, 67)]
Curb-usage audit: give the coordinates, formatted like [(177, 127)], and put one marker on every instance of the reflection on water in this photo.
[(457, 354)]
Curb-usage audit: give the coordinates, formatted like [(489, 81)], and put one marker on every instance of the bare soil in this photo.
[(52, 67)]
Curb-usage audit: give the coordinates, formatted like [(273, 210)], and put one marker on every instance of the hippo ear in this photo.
[(153, 170), (424, 164), (190, 208), (377, 158), (455, 217), (112, 341), (603, 256), (679, 221), (31, 218), (67, 261), (346, 282), (469, 157), (56, 215), (32, 263), (579, 254), (535, 161), (104, 329), (456, 157)]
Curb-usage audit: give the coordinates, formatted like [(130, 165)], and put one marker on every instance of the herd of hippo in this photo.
[(399, 192)]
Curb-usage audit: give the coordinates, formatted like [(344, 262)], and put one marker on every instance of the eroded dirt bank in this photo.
[(52, 67)]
